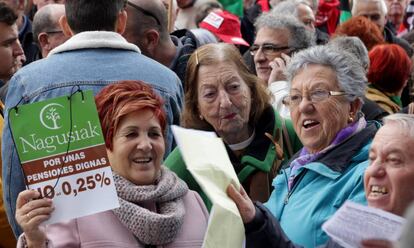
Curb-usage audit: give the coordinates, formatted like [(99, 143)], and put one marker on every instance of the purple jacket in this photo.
[(105, 230)]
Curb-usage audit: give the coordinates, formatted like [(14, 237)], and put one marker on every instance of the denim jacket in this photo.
[(90, 60)]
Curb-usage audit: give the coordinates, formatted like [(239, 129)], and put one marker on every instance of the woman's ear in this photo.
[(356, 105)]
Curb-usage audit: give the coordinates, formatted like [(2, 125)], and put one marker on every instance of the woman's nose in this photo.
[(306, 105), (144, 143), (224, 100)]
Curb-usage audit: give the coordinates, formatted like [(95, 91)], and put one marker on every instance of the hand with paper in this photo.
[(389, 190), (244, 204)]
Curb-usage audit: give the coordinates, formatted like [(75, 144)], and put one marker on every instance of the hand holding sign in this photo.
[(31, 211), (63, 155)]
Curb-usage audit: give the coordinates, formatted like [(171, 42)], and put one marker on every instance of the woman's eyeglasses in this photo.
[(314, 96)]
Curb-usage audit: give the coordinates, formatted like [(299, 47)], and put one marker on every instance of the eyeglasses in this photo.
[(314, 96), (144, 11), (268, 49), (53, 31)]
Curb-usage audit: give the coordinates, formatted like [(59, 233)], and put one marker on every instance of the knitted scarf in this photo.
[(154, 228)]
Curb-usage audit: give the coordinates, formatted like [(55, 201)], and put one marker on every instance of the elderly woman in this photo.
[(388, 75), (388, 182), (221, 95), (324, 100), (133, 123)]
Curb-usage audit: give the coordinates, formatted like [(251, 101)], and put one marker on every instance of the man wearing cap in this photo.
[(278, 36), (147, 27), (225, 26)]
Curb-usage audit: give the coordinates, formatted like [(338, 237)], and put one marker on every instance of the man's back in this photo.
[(80, 63)]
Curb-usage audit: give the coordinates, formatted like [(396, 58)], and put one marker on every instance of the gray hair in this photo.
[(354, 46), (43, 20), (288, 7), (404, 121), (381, 2), (349, 72), (300, 37)]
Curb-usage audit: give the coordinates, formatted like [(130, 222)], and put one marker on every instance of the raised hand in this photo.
[(30, 213)]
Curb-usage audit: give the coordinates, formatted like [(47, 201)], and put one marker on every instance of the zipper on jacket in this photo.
[(295, 184)]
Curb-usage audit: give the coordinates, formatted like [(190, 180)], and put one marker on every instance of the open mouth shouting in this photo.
[(308, 124)]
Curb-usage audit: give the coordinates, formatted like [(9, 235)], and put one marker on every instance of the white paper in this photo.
[(207, 160), (101, 197), (353, 223)]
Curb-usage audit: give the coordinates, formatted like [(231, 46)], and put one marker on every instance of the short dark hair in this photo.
[(7, 14), (93, 15)]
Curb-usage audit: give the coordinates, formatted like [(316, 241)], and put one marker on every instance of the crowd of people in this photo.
[(313, 100)]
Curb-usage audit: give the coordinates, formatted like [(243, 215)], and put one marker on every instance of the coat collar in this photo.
[(95, 39), (338, 159)]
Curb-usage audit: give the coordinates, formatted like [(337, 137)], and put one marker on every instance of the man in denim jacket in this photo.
[(94, 56)]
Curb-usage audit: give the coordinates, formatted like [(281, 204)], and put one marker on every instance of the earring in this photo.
[(201, 117), (350, 119)]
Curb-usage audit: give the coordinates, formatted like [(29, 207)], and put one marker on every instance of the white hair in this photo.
[(404, 121)]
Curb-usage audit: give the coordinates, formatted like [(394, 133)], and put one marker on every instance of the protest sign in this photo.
[(62, 152)]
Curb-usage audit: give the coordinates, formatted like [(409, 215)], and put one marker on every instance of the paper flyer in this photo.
[(353, 223), (206, 158), (62, 151)]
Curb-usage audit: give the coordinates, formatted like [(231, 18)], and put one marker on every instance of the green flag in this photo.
[(233, 6)]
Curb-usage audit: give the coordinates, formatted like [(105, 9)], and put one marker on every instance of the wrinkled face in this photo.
[(138, 148), (396, 10), (389, 179), (371, 10), (318, 123), (10, 51), (306, 16), (276, 37), (224, 100)]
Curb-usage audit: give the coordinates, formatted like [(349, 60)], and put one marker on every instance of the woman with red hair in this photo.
[(156, 207), (363, 28), (388, 75)]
